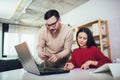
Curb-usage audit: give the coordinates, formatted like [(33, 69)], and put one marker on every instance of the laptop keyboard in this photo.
[(47, 71), (51, 69)]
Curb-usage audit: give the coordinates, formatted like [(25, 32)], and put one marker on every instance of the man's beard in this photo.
[(53, 31)]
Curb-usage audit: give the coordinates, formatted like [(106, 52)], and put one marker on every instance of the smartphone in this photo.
[(47, 56)]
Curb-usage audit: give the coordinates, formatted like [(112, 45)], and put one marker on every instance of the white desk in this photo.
[(75, 74)]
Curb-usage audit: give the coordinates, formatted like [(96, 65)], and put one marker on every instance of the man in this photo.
[(55, 41)]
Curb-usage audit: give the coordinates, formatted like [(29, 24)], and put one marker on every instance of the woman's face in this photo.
[(82, 39)]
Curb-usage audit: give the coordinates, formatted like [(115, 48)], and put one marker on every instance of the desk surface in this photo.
[(75, 74)]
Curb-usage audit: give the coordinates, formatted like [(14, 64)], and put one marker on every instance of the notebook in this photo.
[(112, 68), (29, 63)]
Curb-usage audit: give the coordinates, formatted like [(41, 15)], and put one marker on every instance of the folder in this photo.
[(112, 68)]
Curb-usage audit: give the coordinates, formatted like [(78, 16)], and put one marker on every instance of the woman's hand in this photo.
[(88, 63), (68, 66)]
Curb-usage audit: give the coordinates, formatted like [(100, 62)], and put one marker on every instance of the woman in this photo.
[(87, 55)]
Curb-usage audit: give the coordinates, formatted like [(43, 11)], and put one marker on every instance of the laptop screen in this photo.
[(26, 59)]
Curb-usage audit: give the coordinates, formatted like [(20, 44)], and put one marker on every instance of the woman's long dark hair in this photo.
[(90, 41)]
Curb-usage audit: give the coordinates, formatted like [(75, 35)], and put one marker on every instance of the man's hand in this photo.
[(49, 57), (44, 56), (53, 58)]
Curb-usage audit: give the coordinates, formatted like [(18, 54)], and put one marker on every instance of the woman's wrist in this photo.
[(94, 63)]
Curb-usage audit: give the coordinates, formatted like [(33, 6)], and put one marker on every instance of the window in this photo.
[(0, 40), (16, 35), (11, 39)]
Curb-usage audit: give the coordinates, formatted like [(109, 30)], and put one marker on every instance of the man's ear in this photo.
[(59, 20)]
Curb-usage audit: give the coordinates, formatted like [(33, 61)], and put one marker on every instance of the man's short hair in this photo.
[(51, 13)]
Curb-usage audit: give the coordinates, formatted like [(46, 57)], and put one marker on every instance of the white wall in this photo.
[(95, 9)]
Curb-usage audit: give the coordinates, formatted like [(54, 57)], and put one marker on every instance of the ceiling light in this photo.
[(8, 7)]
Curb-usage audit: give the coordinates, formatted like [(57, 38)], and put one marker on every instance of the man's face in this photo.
[(52, 24)]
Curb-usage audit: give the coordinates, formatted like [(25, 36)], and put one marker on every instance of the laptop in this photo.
[(30, 65)]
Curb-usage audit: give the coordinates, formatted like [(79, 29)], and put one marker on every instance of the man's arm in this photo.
[(67, 45), (66, 50), (41, 43)]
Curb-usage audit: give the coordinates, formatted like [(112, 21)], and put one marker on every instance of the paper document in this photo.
[(113, 68)]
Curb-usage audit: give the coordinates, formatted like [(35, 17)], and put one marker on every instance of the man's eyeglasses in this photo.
[(52, 25)]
